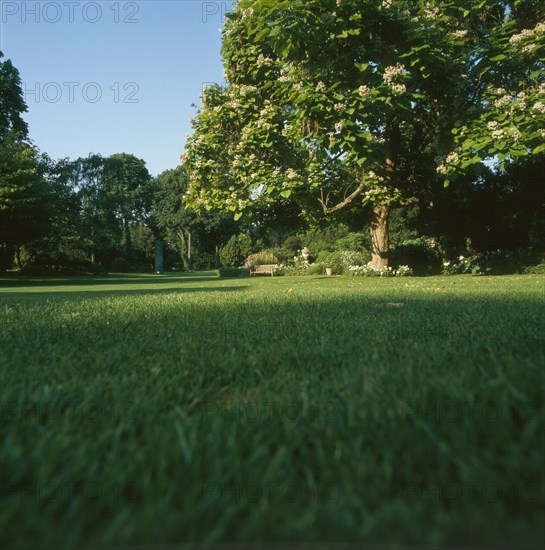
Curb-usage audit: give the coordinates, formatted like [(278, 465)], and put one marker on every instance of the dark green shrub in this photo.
[(233, 272), (333, 260), (119, 265), (498, 262), (419, 254), (283, 254), (538, 269), (235, 252), (204, 260), (293, 244), (355, 241), (135, 267), (316, 269)]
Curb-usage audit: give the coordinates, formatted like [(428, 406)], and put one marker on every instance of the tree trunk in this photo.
[(18, 256), (380, 240), (159, 256), (127, 239), (189, 258), (380, 235)]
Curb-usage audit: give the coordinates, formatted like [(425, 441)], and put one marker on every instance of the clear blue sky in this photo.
[(147, 59)]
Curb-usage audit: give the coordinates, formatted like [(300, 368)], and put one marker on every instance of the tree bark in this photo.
[(380, 237), (159, 256), (189, 258), (380, 234)]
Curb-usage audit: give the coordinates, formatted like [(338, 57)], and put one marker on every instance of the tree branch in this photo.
[(344, 203)]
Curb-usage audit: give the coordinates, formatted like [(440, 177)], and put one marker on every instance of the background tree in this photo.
[(12, 103), (23, 192), (203, 233), (126, 186)]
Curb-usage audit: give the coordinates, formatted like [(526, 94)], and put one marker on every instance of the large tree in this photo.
[(340, 102), (114, 195), (24, 196), (12, 103)]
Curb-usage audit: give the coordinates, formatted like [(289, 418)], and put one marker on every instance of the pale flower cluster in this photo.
[(452, 158), (264, 61), (460, 34), (398, 89), (498, 134), (515, 134), (520, 37), (320, 87), (364, 91), (247, 12), (432, 12), (502, 100), (291, 174), (391, 74), (539, 106), (264, 125)]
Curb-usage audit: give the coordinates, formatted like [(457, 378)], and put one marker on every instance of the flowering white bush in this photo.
[(370, 271), (492, 262)]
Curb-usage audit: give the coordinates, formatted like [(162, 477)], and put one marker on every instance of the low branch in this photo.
[(344, 203)]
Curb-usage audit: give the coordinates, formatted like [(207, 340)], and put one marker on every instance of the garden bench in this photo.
[(265, 269)]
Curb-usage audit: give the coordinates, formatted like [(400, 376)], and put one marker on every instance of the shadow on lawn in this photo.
[(111, 279), (137, 284)]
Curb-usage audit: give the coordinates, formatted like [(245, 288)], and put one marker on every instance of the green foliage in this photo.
[(538, 269), (354, 241), (263, 257), (293, 243), (506, 112), (421, 255), (12, 103), (143, 244), (283, 254), (333, 260), (233, 272), (235, 252), (64, 261), (120, 265), (24, 196), (499, 262)]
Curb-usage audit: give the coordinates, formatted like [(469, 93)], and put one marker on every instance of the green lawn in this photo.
[(185, 408)]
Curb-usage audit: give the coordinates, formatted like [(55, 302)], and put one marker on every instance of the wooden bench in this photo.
[(264, 269)]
